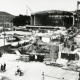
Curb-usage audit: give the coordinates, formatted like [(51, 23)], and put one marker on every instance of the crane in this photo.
[(28, 8)]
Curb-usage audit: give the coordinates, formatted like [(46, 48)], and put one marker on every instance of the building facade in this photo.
[(52, 18)]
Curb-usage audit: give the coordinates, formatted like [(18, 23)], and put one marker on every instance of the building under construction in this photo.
[(52, 18)]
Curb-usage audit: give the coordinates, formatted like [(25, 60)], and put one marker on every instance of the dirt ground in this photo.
[(33, 70)]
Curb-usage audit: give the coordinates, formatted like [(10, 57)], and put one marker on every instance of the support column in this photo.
[(60, 50), (73, 19), (31, 20), (34, 19)]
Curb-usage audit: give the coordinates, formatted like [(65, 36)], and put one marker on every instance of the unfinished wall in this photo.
[(54, 52)]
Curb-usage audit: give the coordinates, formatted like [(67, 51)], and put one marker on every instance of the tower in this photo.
[(78, 15), (78, 5)]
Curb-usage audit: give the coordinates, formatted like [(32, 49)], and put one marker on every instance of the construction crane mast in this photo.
[(28, 8)]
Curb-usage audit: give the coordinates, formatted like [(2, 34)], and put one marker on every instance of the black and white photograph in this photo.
[(39, 39)]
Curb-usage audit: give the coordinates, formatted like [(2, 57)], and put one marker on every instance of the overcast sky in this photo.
[(17, 7)]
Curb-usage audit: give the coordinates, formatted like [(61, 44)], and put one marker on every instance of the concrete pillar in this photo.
[(73, 19), (34, 20), (59, 56), (31, 20), (60, 50)]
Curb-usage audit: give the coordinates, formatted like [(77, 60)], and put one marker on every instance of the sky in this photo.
[(26, 7)]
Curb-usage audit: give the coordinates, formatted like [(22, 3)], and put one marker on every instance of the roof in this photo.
[(5, 13), (66, 50), (54, 12)]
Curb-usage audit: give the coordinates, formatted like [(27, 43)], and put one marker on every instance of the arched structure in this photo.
[(52, 18)]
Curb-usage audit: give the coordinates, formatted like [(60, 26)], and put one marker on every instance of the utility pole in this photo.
[(4, 33), (4, 36), (73, 19)]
